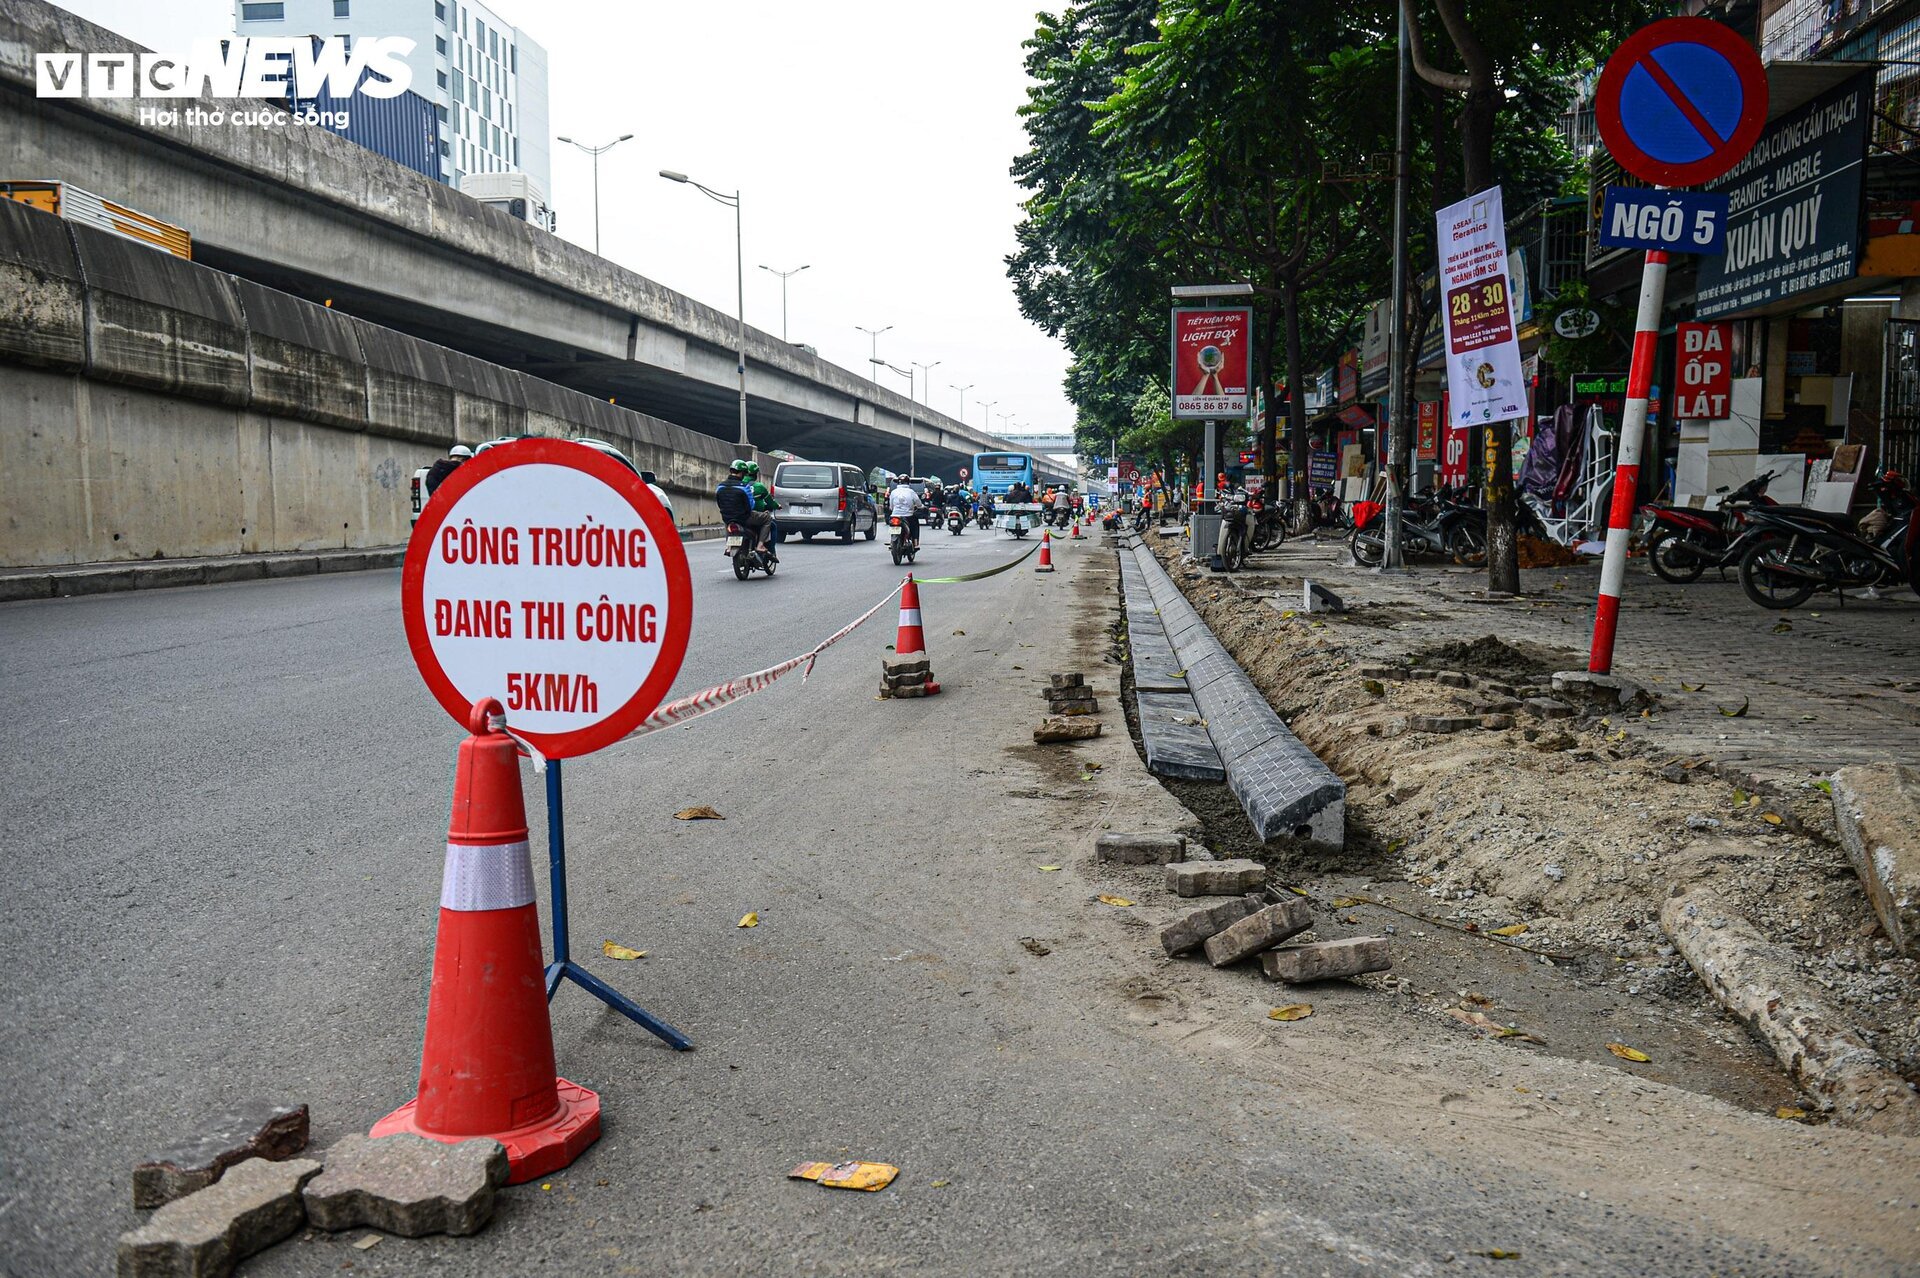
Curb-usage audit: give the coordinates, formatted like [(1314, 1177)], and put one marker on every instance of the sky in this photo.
[(870, 140)]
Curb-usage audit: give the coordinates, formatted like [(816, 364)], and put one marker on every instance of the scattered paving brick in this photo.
[(1381, 672), (255, 1129), (1496, 721), (1139, 849), (1453, 679), (407, 1185), (1058, 729), (205, 1234), (1191, 930), (1441, 723), (1325, 960), (1215, 878), (1261, 930), (1547, 708)]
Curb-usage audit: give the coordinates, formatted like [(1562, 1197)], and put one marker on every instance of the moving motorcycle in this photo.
[(983, 515), (744, 548), (898, 543), (1684, 542), (956, 520), (1797, 551)]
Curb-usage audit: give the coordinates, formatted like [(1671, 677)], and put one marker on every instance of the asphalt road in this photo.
[(224, 812)]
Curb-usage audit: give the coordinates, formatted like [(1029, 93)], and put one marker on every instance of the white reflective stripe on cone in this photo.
[(1613, 568), (495, 876), (909, 616)]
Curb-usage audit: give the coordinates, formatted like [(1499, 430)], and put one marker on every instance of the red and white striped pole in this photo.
[(1626, 474)]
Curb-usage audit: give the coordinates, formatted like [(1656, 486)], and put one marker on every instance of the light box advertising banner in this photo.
[(1476, 308), (1212, 362)]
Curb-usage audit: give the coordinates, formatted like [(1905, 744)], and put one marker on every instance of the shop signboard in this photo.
[(1322, 468), (1704, 371), (1476, 306), (1212, 351), (1373, 348), (1795, 220), (1348, 374), (1453, 458), (1427, 442)]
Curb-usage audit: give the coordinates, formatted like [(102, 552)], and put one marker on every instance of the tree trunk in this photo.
[(1296, 400), (1503, 549), (1270, 421)]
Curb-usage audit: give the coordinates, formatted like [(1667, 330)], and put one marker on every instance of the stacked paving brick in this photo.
[(908, 676), (1173, 732), (1283, 787), (1248, 924), (1069, 694)]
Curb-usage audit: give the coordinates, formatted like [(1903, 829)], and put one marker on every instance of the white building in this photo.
[(486, 79)]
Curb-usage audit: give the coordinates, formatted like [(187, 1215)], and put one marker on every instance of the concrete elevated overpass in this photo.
[(309, 214)]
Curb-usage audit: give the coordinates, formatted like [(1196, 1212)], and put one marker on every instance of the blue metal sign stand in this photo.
[(563, 968)]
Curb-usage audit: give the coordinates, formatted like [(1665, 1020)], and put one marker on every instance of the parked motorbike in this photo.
[(956, 520), (1270, 526), (1433, 523), (1684, 542), (899, 545), (744, 548), (1798, 551), (1238, 513)]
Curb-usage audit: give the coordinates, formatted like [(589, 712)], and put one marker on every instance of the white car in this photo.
[(647, 477)]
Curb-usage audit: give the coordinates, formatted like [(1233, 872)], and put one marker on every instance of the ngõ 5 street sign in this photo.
[(545, 573), (1212, 361)]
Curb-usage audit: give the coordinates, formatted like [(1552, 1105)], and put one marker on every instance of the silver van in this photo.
[(818, 497)]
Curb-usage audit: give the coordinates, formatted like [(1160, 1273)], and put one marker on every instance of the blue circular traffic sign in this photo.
[(1681, 101)]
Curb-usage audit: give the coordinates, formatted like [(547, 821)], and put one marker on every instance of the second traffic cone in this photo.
[(1046, 553), (487, 1066), (1073, 529), (912, 637)]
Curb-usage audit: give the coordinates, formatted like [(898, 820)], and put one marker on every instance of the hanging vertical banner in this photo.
[(1453, 458), (1427, 446), (1476, 308), (1212, 362), (1705, 371)]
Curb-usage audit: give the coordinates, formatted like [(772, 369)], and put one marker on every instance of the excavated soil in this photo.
[(1573, 827)]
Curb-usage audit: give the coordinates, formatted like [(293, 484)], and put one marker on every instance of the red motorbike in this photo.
[(1684, 542)]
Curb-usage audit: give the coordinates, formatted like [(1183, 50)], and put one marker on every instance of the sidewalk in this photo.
[(65, 580)]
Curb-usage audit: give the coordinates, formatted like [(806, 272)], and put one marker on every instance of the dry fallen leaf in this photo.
[(614, 951), (1048, 869), (939, 1184), (1511, 929), (1498, 1253), (1291, 1012), (959, 632), (1737, 714), (1487, 1025), (1298, 891), (367, 1243), (1692, 687), (1792, 1113), (701, 813), (1782, 627), (1120, 901), (1626, 1053), (1035, 946), (1771, 818), (750, 919), (1348, 902)]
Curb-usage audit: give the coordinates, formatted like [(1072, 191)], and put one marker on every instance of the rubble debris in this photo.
[(1876, 810), (1326, 960), (255, 1129), (206, 1233), (1261, 930), (1215, 878), (1192, 929)]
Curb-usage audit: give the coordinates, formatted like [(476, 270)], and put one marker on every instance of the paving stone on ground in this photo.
[(205, 1234), (252, 1129), (1191, 930), (407, 1185), (1123, 848), (1325, 960), (1261, 930), (1062, 729), (1216, 878)]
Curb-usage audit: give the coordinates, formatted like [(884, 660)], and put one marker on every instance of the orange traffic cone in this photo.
[(912, 637), (1046, 553), (487, 1066), (1073, 530)]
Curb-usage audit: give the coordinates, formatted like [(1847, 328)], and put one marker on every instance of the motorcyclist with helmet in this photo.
[(904, 503), (736, 499), (763, 503)]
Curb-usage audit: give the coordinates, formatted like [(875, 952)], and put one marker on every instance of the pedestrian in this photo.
[(438, 472)]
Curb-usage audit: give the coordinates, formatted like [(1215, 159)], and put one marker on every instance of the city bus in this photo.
[(995, 473)]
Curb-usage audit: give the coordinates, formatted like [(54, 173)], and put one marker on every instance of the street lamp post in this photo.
[(741, 446), (784, 277), (926, 373), (874, 333), (986, 418), (963, 396), (913, 424), (596, 152)]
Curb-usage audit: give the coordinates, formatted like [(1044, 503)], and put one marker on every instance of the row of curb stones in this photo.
[(237, 1189), (1249, 922)]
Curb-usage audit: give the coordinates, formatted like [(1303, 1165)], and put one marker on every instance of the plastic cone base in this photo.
[(536, 1150), (933, 689)]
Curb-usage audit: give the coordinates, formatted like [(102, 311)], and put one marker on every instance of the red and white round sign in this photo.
[(546, 574)]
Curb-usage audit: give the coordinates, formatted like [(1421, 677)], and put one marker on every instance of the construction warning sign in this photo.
[(545, 573)]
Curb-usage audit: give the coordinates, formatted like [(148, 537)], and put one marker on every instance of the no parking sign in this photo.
[(546, 574)]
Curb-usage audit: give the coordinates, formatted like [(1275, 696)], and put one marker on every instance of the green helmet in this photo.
[(738, 468), (753, 467)]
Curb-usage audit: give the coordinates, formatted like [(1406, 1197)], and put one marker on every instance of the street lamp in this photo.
[(963, 396), (986, 418), (926, 371), (913, 425), (784, 277), (596, 152), (740, 283), (874, 333)]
